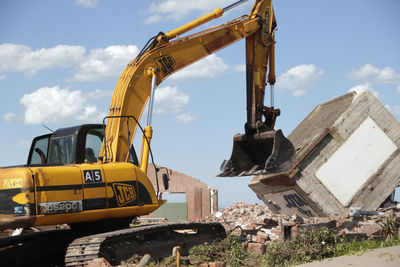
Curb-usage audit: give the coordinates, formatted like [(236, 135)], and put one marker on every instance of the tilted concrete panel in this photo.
[(347, 154), (359, 157)]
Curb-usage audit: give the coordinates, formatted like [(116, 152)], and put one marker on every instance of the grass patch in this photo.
[(228, 250), (307, 246), (317, 244)]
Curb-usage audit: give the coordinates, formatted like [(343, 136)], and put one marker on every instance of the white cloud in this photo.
[(370, 73), (396, 110), (99, 64), (170, 100), (364, 88), (102, 64), (209, 67), (153, 19), (393, 109), (98, 93), (240, 67), (54, 105), (388, 75), (299, 93), (2, 77), (22, 58), (87, 3), (177, 9), (299, 78), (364, 72), (398, 89), (8, 117), (185, 118)]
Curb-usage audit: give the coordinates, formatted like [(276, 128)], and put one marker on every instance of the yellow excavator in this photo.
[(90, 177)]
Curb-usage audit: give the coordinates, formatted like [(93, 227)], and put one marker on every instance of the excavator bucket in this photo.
[(265, 152)]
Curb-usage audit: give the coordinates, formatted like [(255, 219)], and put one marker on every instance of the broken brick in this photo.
[(256, 248)]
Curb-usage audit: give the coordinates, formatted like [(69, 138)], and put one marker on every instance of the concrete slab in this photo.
[(347, 154)]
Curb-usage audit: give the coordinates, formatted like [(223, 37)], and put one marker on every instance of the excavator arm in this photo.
[(260, 55), (164, 56)]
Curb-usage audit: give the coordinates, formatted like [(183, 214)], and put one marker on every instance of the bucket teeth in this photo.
[(265, 152)]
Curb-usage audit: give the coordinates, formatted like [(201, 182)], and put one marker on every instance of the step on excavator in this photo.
[(90, 178)]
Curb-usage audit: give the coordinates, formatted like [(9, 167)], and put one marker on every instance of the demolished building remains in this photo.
[(200, 199), (347, 155), (257, 226)]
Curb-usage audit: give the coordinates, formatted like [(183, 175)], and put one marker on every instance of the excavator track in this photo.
[(158, 240), (42, 248)]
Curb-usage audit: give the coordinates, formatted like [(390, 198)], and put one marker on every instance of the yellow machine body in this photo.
[(64, 182), (76, 193)]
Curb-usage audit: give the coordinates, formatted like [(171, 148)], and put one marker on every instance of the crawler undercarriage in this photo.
[(60, 247)]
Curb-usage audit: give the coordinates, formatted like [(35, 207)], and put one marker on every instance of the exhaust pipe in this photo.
[(261, 153)]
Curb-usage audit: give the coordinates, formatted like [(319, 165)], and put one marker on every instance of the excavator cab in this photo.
[(72, 145)]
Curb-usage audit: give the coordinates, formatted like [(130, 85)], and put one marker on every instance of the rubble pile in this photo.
[(257, 225)]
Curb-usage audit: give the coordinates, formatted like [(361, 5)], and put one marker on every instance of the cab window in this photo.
[(39, 148), (94, 141), (60, 151)]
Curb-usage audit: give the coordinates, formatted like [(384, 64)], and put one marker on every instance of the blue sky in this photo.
[(60, 61)]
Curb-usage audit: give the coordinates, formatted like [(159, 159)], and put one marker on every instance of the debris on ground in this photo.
[(257, 226)]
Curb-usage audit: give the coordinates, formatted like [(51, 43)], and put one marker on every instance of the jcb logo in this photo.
[(165, 63), (124, 193)]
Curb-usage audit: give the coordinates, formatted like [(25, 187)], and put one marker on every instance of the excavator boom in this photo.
[(165, 55), (163, 58)]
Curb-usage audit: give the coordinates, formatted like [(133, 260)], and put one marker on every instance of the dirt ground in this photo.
[(382, 257)]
